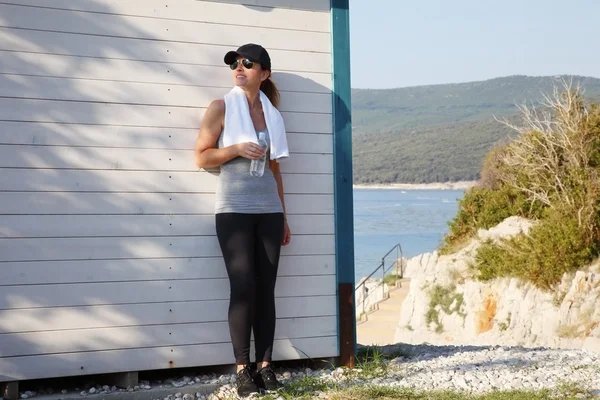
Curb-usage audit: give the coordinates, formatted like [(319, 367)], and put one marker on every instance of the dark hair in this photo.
[(270, 89)]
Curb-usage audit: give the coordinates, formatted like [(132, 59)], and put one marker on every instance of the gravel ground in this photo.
[(423, 367)]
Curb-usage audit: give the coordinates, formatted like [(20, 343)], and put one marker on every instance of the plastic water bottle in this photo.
[(257, 167)]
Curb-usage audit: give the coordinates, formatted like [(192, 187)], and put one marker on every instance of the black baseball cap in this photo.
[(253, 52)]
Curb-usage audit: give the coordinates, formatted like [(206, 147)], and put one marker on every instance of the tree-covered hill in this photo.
[(439, 133)]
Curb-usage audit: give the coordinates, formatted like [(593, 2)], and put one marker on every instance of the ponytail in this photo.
[(268, 87)]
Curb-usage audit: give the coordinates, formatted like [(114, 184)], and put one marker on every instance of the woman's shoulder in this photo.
[(215, 111), (217, 105)]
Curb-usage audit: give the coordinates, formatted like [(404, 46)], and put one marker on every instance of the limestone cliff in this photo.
[(445, 305)]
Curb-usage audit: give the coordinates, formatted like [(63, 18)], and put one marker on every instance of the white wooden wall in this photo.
[(108, 257)]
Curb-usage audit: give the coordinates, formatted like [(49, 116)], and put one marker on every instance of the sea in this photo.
[(415, 219)]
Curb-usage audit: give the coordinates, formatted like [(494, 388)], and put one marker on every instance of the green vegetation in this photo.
[(450, 152), (438, 133), (303, 388), (558, 297), (554, 246), (449, 301), (483, 208), (371, 361), (388, 393), (505, 324), (548, 173), (391, 279), (581, 328), (308, 388)]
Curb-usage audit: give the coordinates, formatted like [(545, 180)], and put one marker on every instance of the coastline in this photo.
[(462, 185)]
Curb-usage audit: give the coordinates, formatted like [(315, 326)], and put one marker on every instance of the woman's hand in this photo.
[(250, 150), (287, 234)]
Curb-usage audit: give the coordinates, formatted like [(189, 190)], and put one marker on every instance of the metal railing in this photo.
[(396, 265)]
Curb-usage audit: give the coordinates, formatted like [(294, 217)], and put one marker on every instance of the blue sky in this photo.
[(398, 43)]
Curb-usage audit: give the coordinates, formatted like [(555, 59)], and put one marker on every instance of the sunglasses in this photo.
[(245, 62)]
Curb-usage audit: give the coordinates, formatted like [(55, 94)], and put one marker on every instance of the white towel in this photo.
[(239, 127)]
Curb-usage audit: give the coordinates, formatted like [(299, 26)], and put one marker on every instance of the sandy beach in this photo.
[(463, 185)]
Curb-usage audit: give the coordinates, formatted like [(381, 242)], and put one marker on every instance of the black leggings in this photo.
[(251, 244)]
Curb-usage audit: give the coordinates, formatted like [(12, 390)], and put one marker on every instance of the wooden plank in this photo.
[(150, 72), (135, 115), (91, 90), (199, 11), (59, 134), (56, 226), (56, 342), (141, 181), (98, 24), (82, 294), (56, 134), (57, 365), (101, 158), (313, 5), (106, 316), (141, 247), (85, 46), (99, 113), (141, 203), (344, 213), (81, 271)]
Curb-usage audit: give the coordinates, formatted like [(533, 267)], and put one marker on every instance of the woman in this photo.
[(250, 214)]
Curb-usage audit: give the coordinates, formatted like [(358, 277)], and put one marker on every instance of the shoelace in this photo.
[(244, 376), (268, 374)]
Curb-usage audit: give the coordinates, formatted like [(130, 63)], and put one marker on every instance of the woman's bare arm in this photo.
[(206, 155), (274, 165)]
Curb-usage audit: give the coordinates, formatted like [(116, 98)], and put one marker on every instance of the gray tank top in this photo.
[(240, 192)]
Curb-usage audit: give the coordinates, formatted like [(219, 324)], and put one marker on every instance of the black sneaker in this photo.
[(245, 384), (265, 379)]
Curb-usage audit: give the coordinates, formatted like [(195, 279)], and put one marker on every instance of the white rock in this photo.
[(92, 390), (520, 315)]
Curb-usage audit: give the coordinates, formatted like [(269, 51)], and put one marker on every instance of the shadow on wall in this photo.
[(106, 222)]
